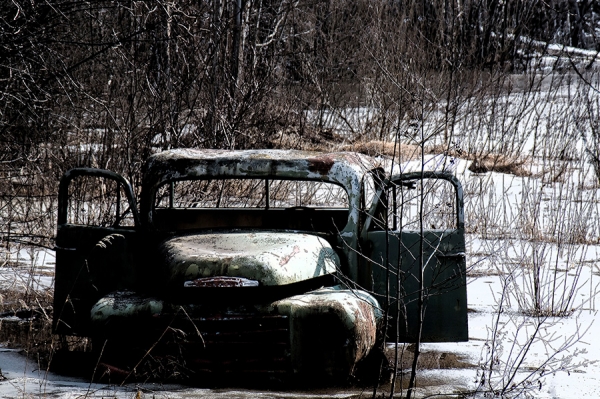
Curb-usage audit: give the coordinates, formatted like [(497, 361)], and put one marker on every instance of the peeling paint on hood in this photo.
[(271, 258)]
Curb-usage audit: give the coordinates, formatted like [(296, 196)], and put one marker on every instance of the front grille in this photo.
[(237, 343)]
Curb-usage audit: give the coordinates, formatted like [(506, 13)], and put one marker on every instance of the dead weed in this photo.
[(499, 164), (376, 148)]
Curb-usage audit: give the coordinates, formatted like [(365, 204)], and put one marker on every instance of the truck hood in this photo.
[(270, 258)]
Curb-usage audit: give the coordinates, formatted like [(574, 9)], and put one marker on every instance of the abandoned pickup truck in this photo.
[(261, 260)]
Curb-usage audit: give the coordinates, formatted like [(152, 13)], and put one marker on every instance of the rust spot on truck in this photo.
[(366, 326), (321, 165), (287, 258)]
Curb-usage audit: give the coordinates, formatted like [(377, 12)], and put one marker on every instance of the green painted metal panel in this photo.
[(400, 255), (445, 310)]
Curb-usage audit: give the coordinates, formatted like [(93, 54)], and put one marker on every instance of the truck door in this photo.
[(97, 225), (415, 241)]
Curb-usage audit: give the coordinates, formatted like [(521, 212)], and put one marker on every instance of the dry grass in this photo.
[(486, 163), (29, 331), (375, 148), (500, 164), (330, 142)]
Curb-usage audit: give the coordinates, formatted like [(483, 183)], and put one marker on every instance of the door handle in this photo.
[(57, 248), (451, 256)]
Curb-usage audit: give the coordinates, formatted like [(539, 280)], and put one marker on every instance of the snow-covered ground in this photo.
[(27, 269), (579, 378), (507, 343), (533, 255), (532, 286)]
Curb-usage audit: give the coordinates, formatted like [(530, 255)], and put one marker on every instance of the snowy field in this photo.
[(561, 362), (533, 256), (510, 346)]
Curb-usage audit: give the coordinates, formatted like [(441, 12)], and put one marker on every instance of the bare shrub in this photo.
[(506, 362), (105, 84)]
